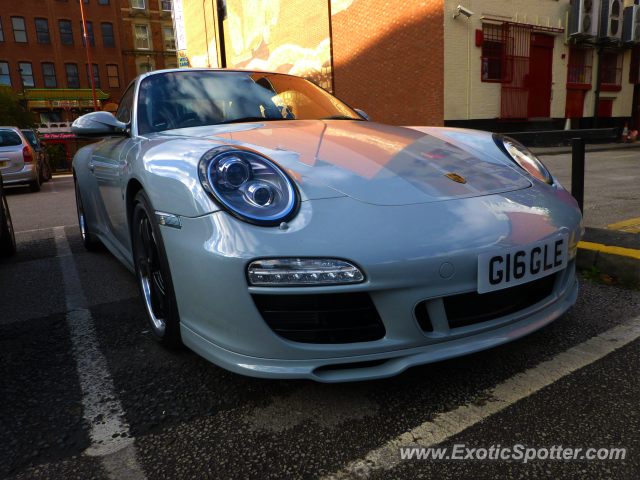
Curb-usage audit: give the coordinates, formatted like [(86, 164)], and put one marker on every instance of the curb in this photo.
[(617, 262)]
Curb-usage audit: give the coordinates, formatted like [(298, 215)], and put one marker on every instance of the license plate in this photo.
[(3, 164), (514, 266)]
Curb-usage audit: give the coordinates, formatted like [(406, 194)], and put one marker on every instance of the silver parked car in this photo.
[(38, 146), (19, 162), (278, 233), (7, 236)]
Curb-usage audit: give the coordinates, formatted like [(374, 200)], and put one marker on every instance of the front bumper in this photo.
[(28, 174), (400, 250), (368, 367)]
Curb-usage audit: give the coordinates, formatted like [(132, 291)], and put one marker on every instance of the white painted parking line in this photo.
[(504, 395), (109, 432), (43, 229)]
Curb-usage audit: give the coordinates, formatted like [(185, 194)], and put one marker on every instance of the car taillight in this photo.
[(26, 153)]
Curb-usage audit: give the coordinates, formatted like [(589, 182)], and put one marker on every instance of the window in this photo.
[(1, 31), (634, 72), (27, 74), (42, 30), (96, 76), (137, 4), (580, 66), (493, 39), (85, 1), (73, 80), (146, 68), (611, 70), (66, 33), (92, 41), (5, 76), (113, 77), (107, 35), (169, 39), (19, 30), (142, 37), (126, 105), (49, 74), (50, 117), (103, 2), (166, 5)]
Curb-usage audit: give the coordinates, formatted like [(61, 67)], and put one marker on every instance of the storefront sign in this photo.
[(38, 104), (178, 25), (58, 136), (183, 60)]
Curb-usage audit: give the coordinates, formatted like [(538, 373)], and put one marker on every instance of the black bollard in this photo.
[(577, 171)]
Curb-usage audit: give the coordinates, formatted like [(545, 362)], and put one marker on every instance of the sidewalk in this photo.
[(595, 147), (613, 252)]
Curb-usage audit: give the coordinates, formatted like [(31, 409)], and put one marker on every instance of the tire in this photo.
[(153, 275), (45, 173), (7, 235), (89, 244)]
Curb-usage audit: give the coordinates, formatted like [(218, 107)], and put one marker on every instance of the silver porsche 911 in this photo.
[(279, 233)]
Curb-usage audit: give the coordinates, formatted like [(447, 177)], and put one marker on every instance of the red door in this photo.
[(540, 63), (605, 107)]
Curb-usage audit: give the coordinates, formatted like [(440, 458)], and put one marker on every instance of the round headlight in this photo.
[(523, 157), (248, 185)]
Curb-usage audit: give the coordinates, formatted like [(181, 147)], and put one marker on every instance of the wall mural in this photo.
[(286, 36)]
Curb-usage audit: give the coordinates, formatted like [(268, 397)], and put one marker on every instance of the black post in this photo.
[(598, 84), (222, 16), (577, 171)]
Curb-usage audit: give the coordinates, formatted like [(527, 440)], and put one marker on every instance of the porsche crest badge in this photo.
[(456, 178)]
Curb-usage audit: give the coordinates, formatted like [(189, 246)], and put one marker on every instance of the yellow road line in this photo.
[(624, 252), (634, 222)]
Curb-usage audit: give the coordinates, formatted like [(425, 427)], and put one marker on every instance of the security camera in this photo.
[(464, 11)]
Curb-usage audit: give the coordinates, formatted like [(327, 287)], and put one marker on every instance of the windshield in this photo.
[(191, 99), (29, 135), (9, 138)]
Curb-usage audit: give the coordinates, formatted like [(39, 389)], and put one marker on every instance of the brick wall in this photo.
[(388, 60), (56, 52)]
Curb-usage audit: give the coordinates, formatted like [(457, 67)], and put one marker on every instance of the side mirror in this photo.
[(363, 115), (99, 125)]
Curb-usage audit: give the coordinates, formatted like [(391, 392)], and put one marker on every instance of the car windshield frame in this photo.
[(2, 138), (171, 100)]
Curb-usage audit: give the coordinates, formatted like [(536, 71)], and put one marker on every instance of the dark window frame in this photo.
[(7, 75), (1, 31), (92, 39), (106, 36), (66, 35), (24, 24), (43, 32), (611, 76), (580, 67), (49, 76), (116, 76), (22, 75), (96, 75), (493, 39), (76, 76)]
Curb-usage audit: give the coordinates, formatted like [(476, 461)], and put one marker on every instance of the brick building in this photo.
[(149, 41), (413, 63), (43, 56)]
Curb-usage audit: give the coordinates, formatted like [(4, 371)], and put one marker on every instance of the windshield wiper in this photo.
[(251, 119), (342, 117)]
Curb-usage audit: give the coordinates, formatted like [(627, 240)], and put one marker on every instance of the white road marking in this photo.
[(45, 228), (504, 395), (110, 437)]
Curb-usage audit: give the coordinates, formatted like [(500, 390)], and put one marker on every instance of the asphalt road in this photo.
[(574, 383), (611, 192)]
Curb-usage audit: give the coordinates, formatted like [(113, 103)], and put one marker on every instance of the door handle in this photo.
[(90, 165)]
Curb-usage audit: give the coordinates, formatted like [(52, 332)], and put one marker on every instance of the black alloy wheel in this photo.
[(154, 276), (7, 235), (45, 172)]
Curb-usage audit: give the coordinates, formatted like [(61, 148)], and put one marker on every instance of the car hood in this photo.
[(373, 163)]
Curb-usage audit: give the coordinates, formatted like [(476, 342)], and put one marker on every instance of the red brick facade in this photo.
[(56, 53), (388, 60)]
